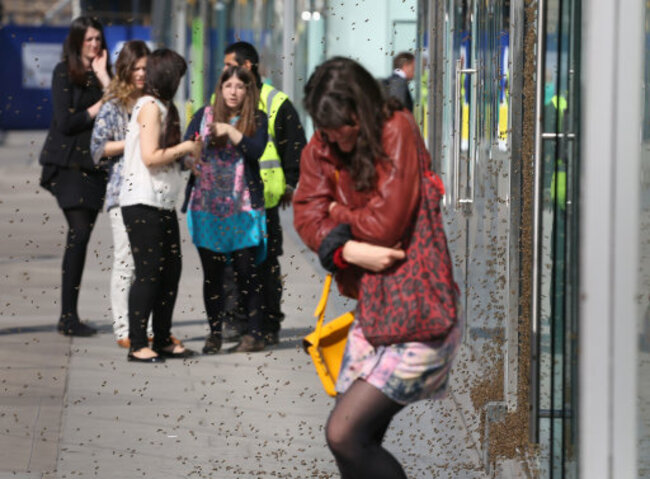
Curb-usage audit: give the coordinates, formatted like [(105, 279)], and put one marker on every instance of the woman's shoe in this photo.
[(172, 338), (75, 328), (272, 338), (212, 344), (186, 353), (248, 344), (124, 343), (153, 359)]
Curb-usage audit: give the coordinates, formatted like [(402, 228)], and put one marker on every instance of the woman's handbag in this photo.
[(415, 300), (327, 343)]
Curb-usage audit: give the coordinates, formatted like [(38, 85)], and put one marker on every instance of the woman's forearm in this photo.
[(164, 156), (94, 109), (113, 148), (371, 257), (234, 134)]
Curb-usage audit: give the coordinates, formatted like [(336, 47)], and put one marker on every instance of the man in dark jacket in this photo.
[(397, 85), (280, 169)]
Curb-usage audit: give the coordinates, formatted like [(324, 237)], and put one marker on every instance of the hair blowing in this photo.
[(165, 68), (73, 45), (121, 87), (341, 92)]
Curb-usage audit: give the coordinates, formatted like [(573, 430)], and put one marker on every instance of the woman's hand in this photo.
[(99, 67), (93, 110), (193, 164), (218, 128), (195, 148), (225, 129), (371, 257)]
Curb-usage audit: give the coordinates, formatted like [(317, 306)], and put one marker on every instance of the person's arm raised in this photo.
[(149, 122)]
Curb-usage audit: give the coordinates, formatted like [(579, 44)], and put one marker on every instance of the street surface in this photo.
[(76, 408)]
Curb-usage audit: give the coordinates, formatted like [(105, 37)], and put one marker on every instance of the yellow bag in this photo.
[(327, 343)]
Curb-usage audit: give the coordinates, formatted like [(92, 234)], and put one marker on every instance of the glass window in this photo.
[(557, 338)]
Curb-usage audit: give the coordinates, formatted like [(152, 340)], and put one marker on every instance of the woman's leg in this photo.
[(249, 285), (80, 225), (121, 276), (170, 264), (355, 430), (145, 233), (214, 265)]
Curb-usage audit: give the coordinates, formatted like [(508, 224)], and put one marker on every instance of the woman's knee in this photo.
[(338, 436), (80, 235)]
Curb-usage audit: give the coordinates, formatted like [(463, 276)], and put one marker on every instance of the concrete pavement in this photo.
[(76, 408)]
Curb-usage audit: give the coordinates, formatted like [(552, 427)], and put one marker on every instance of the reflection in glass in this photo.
[(557, 425)]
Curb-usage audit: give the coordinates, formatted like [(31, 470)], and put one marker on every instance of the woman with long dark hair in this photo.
[(151, 183), (226, 215), (68, 169), (356, 205), (107, 147)]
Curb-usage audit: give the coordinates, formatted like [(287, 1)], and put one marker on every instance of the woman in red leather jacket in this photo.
[(356, 200)]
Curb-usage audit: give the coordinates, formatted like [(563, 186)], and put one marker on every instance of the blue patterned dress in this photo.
[(223, 216)]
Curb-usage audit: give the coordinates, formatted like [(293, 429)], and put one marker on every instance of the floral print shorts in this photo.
[(405, 372)]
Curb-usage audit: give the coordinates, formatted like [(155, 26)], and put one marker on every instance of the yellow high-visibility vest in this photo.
[(271, 171)]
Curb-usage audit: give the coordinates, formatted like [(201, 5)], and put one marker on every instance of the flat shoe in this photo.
[(76, 328), (186, 353), (172, 338), (154, 359)]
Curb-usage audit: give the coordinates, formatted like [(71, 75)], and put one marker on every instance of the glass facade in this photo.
[(557, 319)]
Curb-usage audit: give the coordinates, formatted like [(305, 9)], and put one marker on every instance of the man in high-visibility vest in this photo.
[(280, 169)]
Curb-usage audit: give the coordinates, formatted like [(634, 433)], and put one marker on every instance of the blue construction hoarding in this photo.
[(29, 55)]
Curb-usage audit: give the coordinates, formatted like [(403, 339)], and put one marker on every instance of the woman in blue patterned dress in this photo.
[(225, 194)]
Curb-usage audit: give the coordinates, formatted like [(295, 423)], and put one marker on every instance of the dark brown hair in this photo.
[(246, 123), (402, 59), (245, 51), (73, 45), (339, 91), (121, 86), (165, 68)]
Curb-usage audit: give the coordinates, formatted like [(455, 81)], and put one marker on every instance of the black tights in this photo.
[(156, 247), (80, 225), (248, 285), (355, 431)]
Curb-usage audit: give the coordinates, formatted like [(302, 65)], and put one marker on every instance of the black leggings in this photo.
[(355, 431), (80, 225), (248, 283), (156, 247)]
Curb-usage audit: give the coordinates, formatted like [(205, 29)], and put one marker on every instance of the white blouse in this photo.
[(156, 186)]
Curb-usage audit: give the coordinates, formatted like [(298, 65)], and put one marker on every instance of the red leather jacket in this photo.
[(382, 216)]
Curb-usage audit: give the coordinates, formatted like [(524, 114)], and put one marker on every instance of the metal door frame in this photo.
[(612, 58)]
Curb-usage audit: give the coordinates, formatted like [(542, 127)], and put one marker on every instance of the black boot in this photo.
[(74, 327), (212, 344)]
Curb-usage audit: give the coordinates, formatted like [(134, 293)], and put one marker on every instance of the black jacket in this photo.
[(290, 140), (68, 140), (398, 87)]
